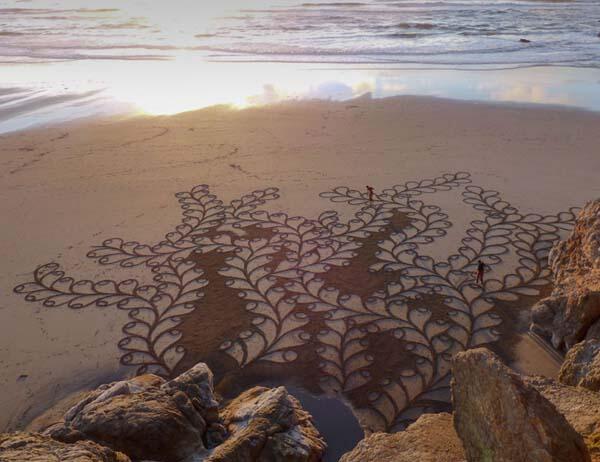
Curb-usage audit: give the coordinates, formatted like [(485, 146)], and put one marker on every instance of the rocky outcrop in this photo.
[(502, 419), (572, 312), (582, 366), (268, 425), (570, 317), (146, 418), (33, 447), (499, 416), (580, 407), (430, 439), (180, 420)]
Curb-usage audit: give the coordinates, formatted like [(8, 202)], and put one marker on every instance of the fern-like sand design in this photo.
[(352, 308)]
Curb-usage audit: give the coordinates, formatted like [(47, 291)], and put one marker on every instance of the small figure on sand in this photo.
[(370, 190), (480, 270)]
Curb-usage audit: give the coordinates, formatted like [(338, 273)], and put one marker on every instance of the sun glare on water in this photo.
[(159, 58), (184, 80)]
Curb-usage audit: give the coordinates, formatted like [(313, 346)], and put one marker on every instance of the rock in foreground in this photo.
[(146, 417), (500, 418), (572, 312), (580, 407), (32, 447), (268, 425), (430, 439), (582, 366)]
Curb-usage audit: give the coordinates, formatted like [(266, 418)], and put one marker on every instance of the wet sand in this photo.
[(67, 189)]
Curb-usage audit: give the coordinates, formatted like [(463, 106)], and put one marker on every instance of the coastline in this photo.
[(25, 105), (68, 187)]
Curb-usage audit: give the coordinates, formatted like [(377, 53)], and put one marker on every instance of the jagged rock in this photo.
[(268, 425), (582, 366), (580, 407), (105, 392), (593, 332), (149, 418), (197, 383), (33, 447), (146, 417), (502, 419), (432, 438), (566, 318), (574, 305)]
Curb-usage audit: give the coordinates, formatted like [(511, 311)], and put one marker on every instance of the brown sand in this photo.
[(67, 188)]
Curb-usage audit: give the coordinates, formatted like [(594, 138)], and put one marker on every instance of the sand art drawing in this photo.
[(355, 307)]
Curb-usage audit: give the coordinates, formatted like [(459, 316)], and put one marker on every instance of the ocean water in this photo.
[(97, 56), (451, 32)]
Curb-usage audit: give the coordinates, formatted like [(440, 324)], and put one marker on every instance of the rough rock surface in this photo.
[(580, 407), (33, 447), (502, 419), (582, 366), (146, 417), (430, 439), (572, 312), (593, 332), (268, 425)]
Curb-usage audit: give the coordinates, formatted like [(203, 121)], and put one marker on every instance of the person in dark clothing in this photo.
[(480, 271), (370, 190)]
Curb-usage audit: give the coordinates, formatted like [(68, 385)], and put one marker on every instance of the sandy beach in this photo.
[(93, 187)]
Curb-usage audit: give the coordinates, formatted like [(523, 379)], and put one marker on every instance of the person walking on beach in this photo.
[(480, 271), (370, 190)]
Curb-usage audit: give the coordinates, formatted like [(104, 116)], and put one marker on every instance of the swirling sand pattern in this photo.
[(356, 307)]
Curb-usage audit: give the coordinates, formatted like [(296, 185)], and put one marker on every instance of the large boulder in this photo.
[(146, 417), (500, 418), (149, 418), (432, 438), (268, 425), (33, 447), (582, 366), (569, 315), (565, 318), (580, 407), (578, 257)]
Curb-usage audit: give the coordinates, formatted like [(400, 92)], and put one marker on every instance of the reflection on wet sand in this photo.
[(534, 356), (186, 84)]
